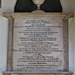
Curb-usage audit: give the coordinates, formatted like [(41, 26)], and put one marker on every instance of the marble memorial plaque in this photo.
[(38, 44)]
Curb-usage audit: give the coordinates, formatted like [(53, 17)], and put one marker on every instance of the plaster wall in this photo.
[(74, 37)]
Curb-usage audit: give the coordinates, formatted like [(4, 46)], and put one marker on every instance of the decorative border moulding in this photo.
[(55, 73), (12, 16)]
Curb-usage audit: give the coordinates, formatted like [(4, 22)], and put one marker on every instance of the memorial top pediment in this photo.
[(24, 15)]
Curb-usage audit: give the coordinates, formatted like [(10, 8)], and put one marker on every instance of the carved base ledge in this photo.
[(52, 73)]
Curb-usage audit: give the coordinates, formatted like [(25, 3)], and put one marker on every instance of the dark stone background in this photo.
[(29, 6), (0, 3)]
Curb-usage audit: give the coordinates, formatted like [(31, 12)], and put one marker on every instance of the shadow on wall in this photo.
[(29, 6)]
